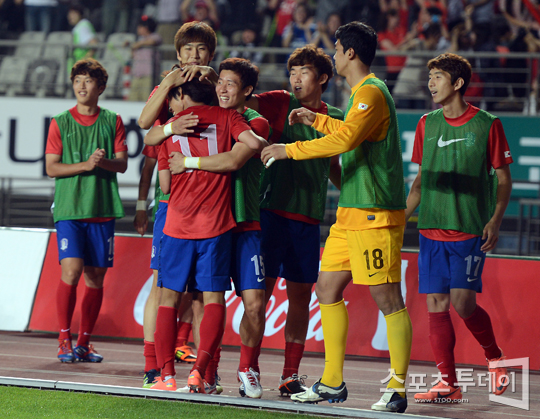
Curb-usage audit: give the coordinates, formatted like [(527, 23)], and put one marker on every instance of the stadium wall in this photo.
[(31, 271)]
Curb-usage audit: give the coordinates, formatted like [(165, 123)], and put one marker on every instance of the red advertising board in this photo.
[(509, 298)]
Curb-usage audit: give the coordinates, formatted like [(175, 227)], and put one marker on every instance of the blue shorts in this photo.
[(247, 263), (443, 266), (291, 248), (159, 223), (207, 262), (92, 242)]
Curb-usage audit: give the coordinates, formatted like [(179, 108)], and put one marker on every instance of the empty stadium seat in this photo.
[(41, 76), (114, 84), (59, 47), (116, 49), (13, 75), (30, 44)]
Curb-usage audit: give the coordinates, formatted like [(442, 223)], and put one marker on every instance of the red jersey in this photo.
[(164, 112), (54, 139), (200, 201), (498, 155)]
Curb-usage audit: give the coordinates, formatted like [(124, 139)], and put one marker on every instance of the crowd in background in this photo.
[(402, 25)]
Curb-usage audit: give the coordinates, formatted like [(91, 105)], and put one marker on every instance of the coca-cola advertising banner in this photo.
[(507, 297)]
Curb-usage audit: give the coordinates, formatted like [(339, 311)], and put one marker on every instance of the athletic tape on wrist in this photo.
[(141, 206), (192, 162), (167, 130)]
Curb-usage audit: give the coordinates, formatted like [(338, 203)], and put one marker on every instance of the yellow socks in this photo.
[(335, 324), (399, 335)]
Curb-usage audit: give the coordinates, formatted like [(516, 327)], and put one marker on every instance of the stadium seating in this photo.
[(117, 49), (58, 48), (13, 71), (114, 84), (30, 44)]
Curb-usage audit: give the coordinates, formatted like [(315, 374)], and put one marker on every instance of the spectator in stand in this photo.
[(200, 11), (281, 12), (482, 13), (248, 38), (39, 14), (83, 32), (168, 18), (145, 60), (326, 8), (301, 30), (393, 35), (327, 33)]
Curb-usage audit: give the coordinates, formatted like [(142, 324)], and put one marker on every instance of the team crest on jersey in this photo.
[(153, 251), (362, 106), (63, 244), (470, 139), (507, 154)]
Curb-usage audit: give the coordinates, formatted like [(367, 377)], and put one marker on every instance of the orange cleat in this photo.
[(185, 354), (441, 393), (195, 382), (498, 375), (169, 385)]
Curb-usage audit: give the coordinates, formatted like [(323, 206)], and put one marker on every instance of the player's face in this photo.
[(229, 90), (305, 83), (176, 105), (86, 89), (194, 53), (340, 60), (440, 86)]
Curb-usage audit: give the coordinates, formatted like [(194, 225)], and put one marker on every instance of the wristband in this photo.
[(141, 205), (192, 162), (167, 130), (270, 161)]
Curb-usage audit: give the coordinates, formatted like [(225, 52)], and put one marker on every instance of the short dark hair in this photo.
[(78, 7), (456, 66), (248, 72), (315, 57), (198, 91), (148, 23), (361, 38), (91, 67), (195, 32)]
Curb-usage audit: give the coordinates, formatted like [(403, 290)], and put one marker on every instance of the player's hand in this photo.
[(174, 78), (203, 72), (182, 125), (140, 222), (302, 116), (95, 159), (491, 235), (176, 163), (275, 152)]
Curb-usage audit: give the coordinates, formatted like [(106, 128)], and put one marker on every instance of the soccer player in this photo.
[(86, 147), (364, 244), (196, 240), (463, 188), (237, 80), (195, 44), (291, 211)]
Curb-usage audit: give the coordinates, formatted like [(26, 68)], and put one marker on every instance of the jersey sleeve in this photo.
[(326, 124), (238, 124), (366, 116), (120, 143), (418, 149), (54, 140), (274, 106), (163, 113), (163, 156), (498, 150), (260, 127), (150, 151)]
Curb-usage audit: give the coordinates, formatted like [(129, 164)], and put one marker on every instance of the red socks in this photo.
[(480, 326), (211, 331), (443, 340), (211, 368), (66, 297), (293, 356), (150, 360), (91, 304), (184, 329), (165, 338), (247, 356)]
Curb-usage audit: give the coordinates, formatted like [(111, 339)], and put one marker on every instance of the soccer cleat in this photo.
[(292, 385), (391, 401), (184, 354), (319, 392), (251, 387), (168, 385), (441, 393), (219, 388), (150, 378), (87, 354), (498, 375), (65, 353), (195, 382)]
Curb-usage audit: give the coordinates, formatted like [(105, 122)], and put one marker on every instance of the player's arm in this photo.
[(165, 181), (504, 189), (335, 172), (229, 161), (118, 164), (140, 222), (413, 200), (155, 103), (325, 124), (55, 168), (180, 126), (253, 141)]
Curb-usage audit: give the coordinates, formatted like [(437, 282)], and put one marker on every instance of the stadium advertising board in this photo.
[(506, 297)]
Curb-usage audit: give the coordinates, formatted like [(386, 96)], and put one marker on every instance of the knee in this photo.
[(254, 309), (71, 276), (464, 308)]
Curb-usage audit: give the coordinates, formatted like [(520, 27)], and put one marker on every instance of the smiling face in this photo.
[(86, 90), (229, 90), (196, 53), (305, 83), (441, 88)]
